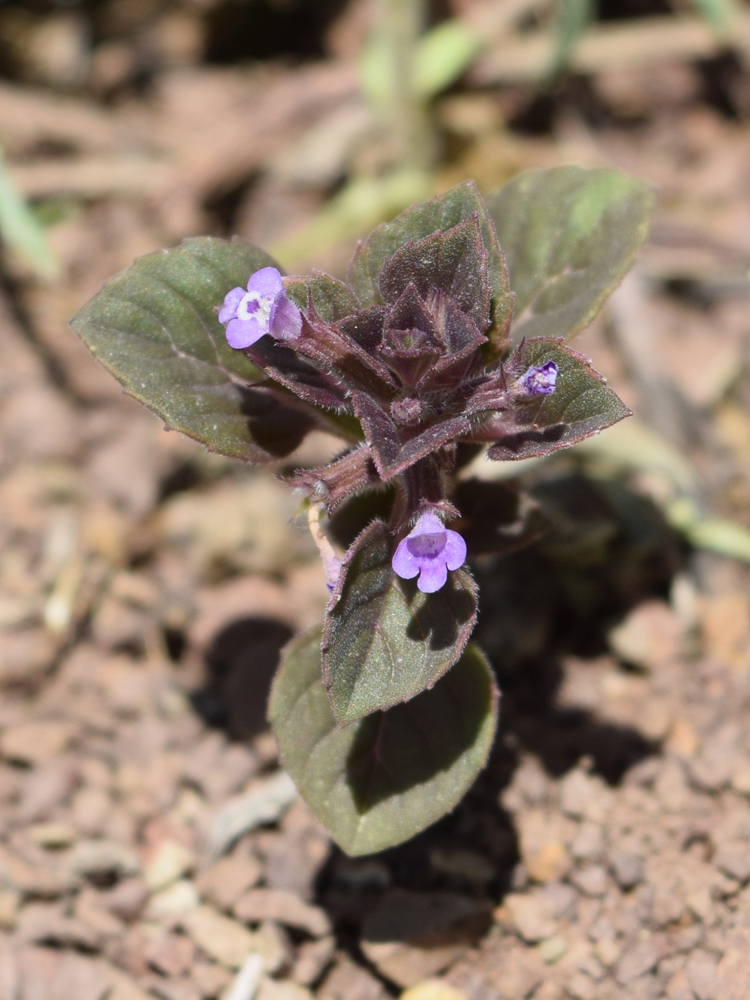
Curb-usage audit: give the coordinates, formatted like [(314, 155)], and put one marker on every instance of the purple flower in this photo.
[(263, 308), (540, 380), (430, 549)]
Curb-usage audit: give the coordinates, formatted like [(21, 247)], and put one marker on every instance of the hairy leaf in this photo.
[(155, 328), (581, 405), (381, 780), (331, 299), (384, 641), (569, 236), (419, 221)]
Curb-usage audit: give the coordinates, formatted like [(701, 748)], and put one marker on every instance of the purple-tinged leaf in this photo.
[(581, 405), (338, 352), (286, 367), (453, 263), (384, 641), (343, 478), (381, 780), (443, 212)]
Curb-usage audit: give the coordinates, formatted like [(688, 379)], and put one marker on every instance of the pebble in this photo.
[(228, 942), (247, 981), (34, 743), (171, 861), (265, 803), (392, 933), (591, 880), (178, 898), (285, 908), (433, 989), (313, 958), (225, 882), (639, 959), (532, 915), (171, 954), (627, 869)]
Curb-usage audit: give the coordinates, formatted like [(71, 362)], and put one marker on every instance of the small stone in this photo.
[(313, 958), (285, 908), (171, 954), (639, 959), (553, 949), (588, 844), (550, 863), (40, 923), (734, 973), (740, 777), (584, 795), (272, 989), (90, 909), (9, 902), (703, 976), (171, 861), (225, 882), (62, 976), (45, 789), (225, 941), (90, 810), (265, 803), (734, 860), (433, 989), (100, 859), (52, 835), (607, 951), (211, 980), (682, 740), (348, 981), (532, 915), (177, 899), (627, 869), (649, 636), (560, 897), (35, 742), (591, 880), (410, 936), (127, 899), (678, 987)]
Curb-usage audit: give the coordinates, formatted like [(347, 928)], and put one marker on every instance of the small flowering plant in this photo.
[(449, 336)]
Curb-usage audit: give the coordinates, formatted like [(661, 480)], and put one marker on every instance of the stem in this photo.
[(401, 23), (331, 562)]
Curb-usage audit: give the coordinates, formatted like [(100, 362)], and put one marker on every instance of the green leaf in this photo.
[(569, 237), (581, 405), (21, 229), (155, 327), (383, 779), (443, 54), (384, 641), (720, 14), (573, 16), (331, 298), (443, 212)]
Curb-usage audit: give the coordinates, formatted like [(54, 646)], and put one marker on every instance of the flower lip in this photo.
[(263, 308), (540, 380), (429, 551)]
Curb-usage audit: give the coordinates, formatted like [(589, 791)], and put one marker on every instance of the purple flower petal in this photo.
[(403, 562), (455, 550), (433, 576), (540, 380), (244, 332), (231, 301), (286, 319), (266, 282)]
